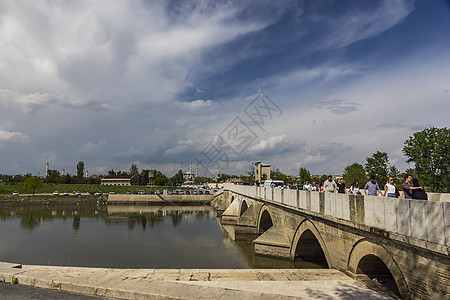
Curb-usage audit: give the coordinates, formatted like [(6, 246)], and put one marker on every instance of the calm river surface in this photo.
[(127, 237)]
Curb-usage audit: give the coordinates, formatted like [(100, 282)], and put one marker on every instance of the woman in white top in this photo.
[(307, 186), (389, 188), (354, 188)]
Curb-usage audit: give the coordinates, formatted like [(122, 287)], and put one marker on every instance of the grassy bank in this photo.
[(7, 188)]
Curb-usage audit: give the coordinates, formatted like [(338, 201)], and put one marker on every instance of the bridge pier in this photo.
[(247, 222), (273, 242)]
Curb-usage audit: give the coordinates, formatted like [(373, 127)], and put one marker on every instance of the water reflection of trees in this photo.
[(32, 216), (134, 219), (176, 218), (28, 221)]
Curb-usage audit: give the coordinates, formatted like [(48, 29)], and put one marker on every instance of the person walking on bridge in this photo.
[(371, 188), (408, 187), (329, 185)]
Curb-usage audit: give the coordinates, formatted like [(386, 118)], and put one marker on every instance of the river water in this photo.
[(127, 237)]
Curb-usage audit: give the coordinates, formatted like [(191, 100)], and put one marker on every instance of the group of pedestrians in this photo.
[(411, 188)]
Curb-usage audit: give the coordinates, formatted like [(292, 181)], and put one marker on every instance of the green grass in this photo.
[(7, 188)]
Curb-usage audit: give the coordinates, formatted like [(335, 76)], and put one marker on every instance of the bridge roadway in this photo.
[(405, 243)]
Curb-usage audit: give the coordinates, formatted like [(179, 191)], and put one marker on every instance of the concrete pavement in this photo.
[(192, 283)]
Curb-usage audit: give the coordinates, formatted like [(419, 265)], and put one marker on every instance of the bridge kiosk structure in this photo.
[(402, 243)]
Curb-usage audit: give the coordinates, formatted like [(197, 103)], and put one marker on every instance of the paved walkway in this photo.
[(192, 283)]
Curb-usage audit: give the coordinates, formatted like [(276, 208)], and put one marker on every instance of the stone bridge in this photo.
[(402, 243)]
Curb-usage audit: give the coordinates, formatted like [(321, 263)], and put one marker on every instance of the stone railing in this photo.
[(419, 222)]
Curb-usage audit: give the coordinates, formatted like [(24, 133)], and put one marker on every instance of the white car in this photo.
[(55, 193), (15, 193)]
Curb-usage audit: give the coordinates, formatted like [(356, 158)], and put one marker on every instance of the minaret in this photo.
[(62, 174), (87, 174), (46, 170)]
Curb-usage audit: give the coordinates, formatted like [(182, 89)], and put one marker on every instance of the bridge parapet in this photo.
[(424, 224)]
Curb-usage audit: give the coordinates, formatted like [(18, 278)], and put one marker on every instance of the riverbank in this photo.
[(192, 283), (6, 201), (160, 199)]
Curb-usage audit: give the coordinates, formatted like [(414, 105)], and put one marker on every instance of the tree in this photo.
[(80, 169), (223, 177), (134, 170), (144, 180), (250, 178), (429, 150), (355, 172), (177, 179), (277, 175), (377, 165), (32, 183), (394, 173), (201, 180), (53, 176), (304, 175)]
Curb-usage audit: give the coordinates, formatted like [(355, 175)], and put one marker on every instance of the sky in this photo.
[(218, 84)]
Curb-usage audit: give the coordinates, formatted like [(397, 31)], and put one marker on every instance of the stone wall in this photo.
[(422, 223)]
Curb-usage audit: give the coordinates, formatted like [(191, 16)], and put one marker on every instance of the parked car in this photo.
[(200, 192), (207, 193), (158, 192), (99, 193), (55, 193), (112, 193), (128, 193), (273, 183), (66, 193), (78, 193), (187, 192), (15, 193), (91, 193)]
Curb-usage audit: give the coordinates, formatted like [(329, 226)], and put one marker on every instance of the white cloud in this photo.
[(32, 102), (12, 137), (357, 25), (198, 105), (274, 144)]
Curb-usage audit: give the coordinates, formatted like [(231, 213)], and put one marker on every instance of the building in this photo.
[(262, 172), (189, 175), (124, 180)]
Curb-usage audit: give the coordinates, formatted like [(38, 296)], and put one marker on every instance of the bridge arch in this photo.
[(243, 208), (232, 199), (308, 244), (374, 260), (264, 220)]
